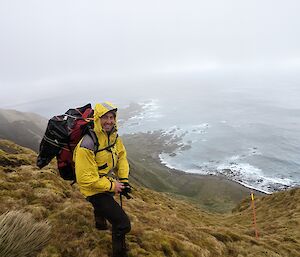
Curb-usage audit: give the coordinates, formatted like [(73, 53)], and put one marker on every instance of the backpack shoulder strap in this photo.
[(108, 147), (90, 141), (93, 135)]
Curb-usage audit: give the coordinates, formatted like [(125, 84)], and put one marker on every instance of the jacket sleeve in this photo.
[(87, 172), (122, 164)]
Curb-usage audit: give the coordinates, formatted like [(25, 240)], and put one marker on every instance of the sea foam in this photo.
[(234, 167)]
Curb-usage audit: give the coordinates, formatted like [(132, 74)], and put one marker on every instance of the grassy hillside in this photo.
[(26, 129), (161, 224)]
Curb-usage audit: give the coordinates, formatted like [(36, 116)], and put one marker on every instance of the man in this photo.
[(93, 174)]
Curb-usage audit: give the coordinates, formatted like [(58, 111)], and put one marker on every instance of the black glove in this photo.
[(126, 190)]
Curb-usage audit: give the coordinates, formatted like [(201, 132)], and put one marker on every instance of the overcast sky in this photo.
[(50, 46)]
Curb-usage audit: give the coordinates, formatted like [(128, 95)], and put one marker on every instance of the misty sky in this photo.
[(49, 48)]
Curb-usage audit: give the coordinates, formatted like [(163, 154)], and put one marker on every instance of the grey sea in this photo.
[(244, 127)]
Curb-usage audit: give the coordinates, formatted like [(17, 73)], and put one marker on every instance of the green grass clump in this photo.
[(21, 235)]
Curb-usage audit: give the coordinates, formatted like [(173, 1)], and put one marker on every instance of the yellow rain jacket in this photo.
[(91, 169)]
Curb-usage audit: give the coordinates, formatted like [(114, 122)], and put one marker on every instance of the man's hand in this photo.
[(126, 190), (118, 187), (127, 187)]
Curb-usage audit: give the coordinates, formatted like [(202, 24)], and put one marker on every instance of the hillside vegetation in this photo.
[(24, 128), (161, 224)]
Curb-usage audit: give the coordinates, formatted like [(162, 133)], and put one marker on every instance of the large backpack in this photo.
[(62, 135)]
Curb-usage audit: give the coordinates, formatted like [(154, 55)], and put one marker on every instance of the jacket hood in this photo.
[(99, 110)]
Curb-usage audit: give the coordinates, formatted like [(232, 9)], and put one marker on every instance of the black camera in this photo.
[(126, 190)]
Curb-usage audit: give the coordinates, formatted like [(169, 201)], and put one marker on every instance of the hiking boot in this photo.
[(119, 246)]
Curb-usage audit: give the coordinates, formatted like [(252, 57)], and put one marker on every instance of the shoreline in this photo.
[(220, 178), (211, 192), (160, 142), (171, 145)]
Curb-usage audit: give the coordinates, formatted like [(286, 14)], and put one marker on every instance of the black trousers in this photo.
[(106, 207)]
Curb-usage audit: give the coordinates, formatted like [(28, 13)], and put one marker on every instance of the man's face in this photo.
[(108, 121)]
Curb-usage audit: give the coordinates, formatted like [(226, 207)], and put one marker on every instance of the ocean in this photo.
[(243, 127)]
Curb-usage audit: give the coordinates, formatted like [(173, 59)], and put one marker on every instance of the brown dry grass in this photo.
[(162, 225), (21, 235)]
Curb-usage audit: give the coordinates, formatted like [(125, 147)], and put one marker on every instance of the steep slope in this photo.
[(25, 129), (161, 224)]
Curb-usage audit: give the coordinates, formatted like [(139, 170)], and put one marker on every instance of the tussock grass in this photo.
[(162, 225), (21, 235)]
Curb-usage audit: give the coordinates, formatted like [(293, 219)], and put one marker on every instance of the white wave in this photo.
[(150, 113), (201, 171), (186, 135), (151, 110), (237, 169), (163, 160), (200, 128), (175, 132), (235, 158), (137, 117), (251, 152), (253, 177), (151, 105)]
